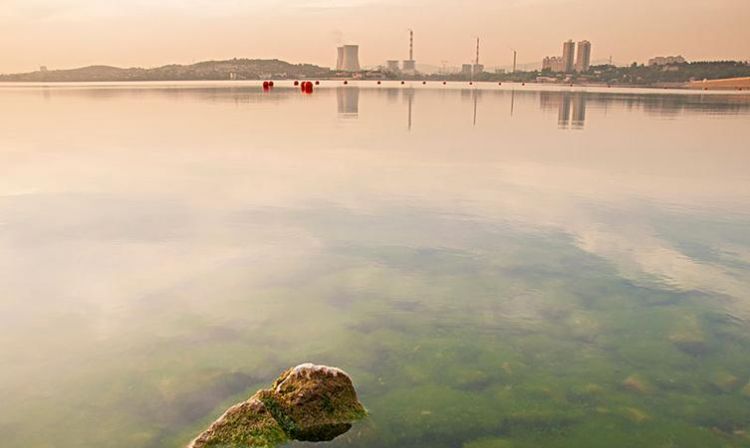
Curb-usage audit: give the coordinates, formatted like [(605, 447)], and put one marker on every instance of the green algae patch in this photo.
[(488, 442), (247, 424), (306, 403)]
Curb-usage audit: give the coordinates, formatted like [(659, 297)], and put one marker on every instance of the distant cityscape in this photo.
[(576, 58), (574, 65)]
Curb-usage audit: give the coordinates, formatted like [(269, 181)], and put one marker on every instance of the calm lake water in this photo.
[(495, 266)]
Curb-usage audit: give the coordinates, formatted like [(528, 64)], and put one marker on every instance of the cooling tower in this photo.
[(348, 58), (340, 59)]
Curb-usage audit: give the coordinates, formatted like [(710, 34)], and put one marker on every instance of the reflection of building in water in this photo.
[(563, 114), (348, 101), (392, 94), (578, 111), (571, 108)]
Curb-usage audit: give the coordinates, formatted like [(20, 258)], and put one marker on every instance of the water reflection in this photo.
[(571, 107), (196, 241), (409, 97), (347, 99)]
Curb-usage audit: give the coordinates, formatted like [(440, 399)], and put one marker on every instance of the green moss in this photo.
[(285, 421)]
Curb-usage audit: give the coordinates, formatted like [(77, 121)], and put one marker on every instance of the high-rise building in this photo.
[(392, 66), (466, 69), (348, 58), (583, 56), (569, 49)]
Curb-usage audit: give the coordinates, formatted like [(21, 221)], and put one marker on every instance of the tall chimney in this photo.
[(411, 45)]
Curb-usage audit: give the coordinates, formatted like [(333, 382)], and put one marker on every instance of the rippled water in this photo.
[(495, 267)]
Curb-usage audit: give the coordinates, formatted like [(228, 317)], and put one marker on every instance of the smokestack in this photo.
[(411, 45), (477, 51), (409, 65)]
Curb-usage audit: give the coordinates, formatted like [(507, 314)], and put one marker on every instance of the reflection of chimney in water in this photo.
[(409, 94), (347, 99), (475, 100)]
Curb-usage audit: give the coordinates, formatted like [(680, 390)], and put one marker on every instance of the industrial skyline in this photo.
[(76, 33)]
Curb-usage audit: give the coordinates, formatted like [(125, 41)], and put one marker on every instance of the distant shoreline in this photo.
[(717, 75), (409, 84)]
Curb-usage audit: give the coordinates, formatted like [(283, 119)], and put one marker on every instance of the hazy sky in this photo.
[(71, 33)]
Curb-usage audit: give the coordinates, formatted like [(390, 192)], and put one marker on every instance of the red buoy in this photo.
[(265, 84), (523, 83), (378, 82), (499, 83), (317, 83), (308, 87), (471, 83), (346, 82), (444, 82), (270, 83), (296, 83), (424, 82), (403, 82)]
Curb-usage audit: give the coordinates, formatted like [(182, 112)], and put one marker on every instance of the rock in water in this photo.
[(307, 402), (247, 424)]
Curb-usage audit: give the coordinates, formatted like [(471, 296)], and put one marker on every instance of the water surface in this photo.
[(494, 266)]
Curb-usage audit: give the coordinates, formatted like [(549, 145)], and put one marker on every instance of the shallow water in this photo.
[(495, 267)]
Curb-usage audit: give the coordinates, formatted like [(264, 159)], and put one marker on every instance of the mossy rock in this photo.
[(313, 403), (247, 424), (307, 403)]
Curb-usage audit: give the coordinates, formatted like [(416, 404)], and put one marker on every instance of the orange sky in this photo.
[(72, 33)]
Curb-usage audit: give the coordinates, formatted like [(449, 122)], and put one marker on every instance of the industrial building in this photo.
[(348, 58), (392, 66)]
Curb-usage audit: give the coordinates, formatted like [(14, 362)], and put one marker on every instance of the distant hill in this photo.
[(209, 70)]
